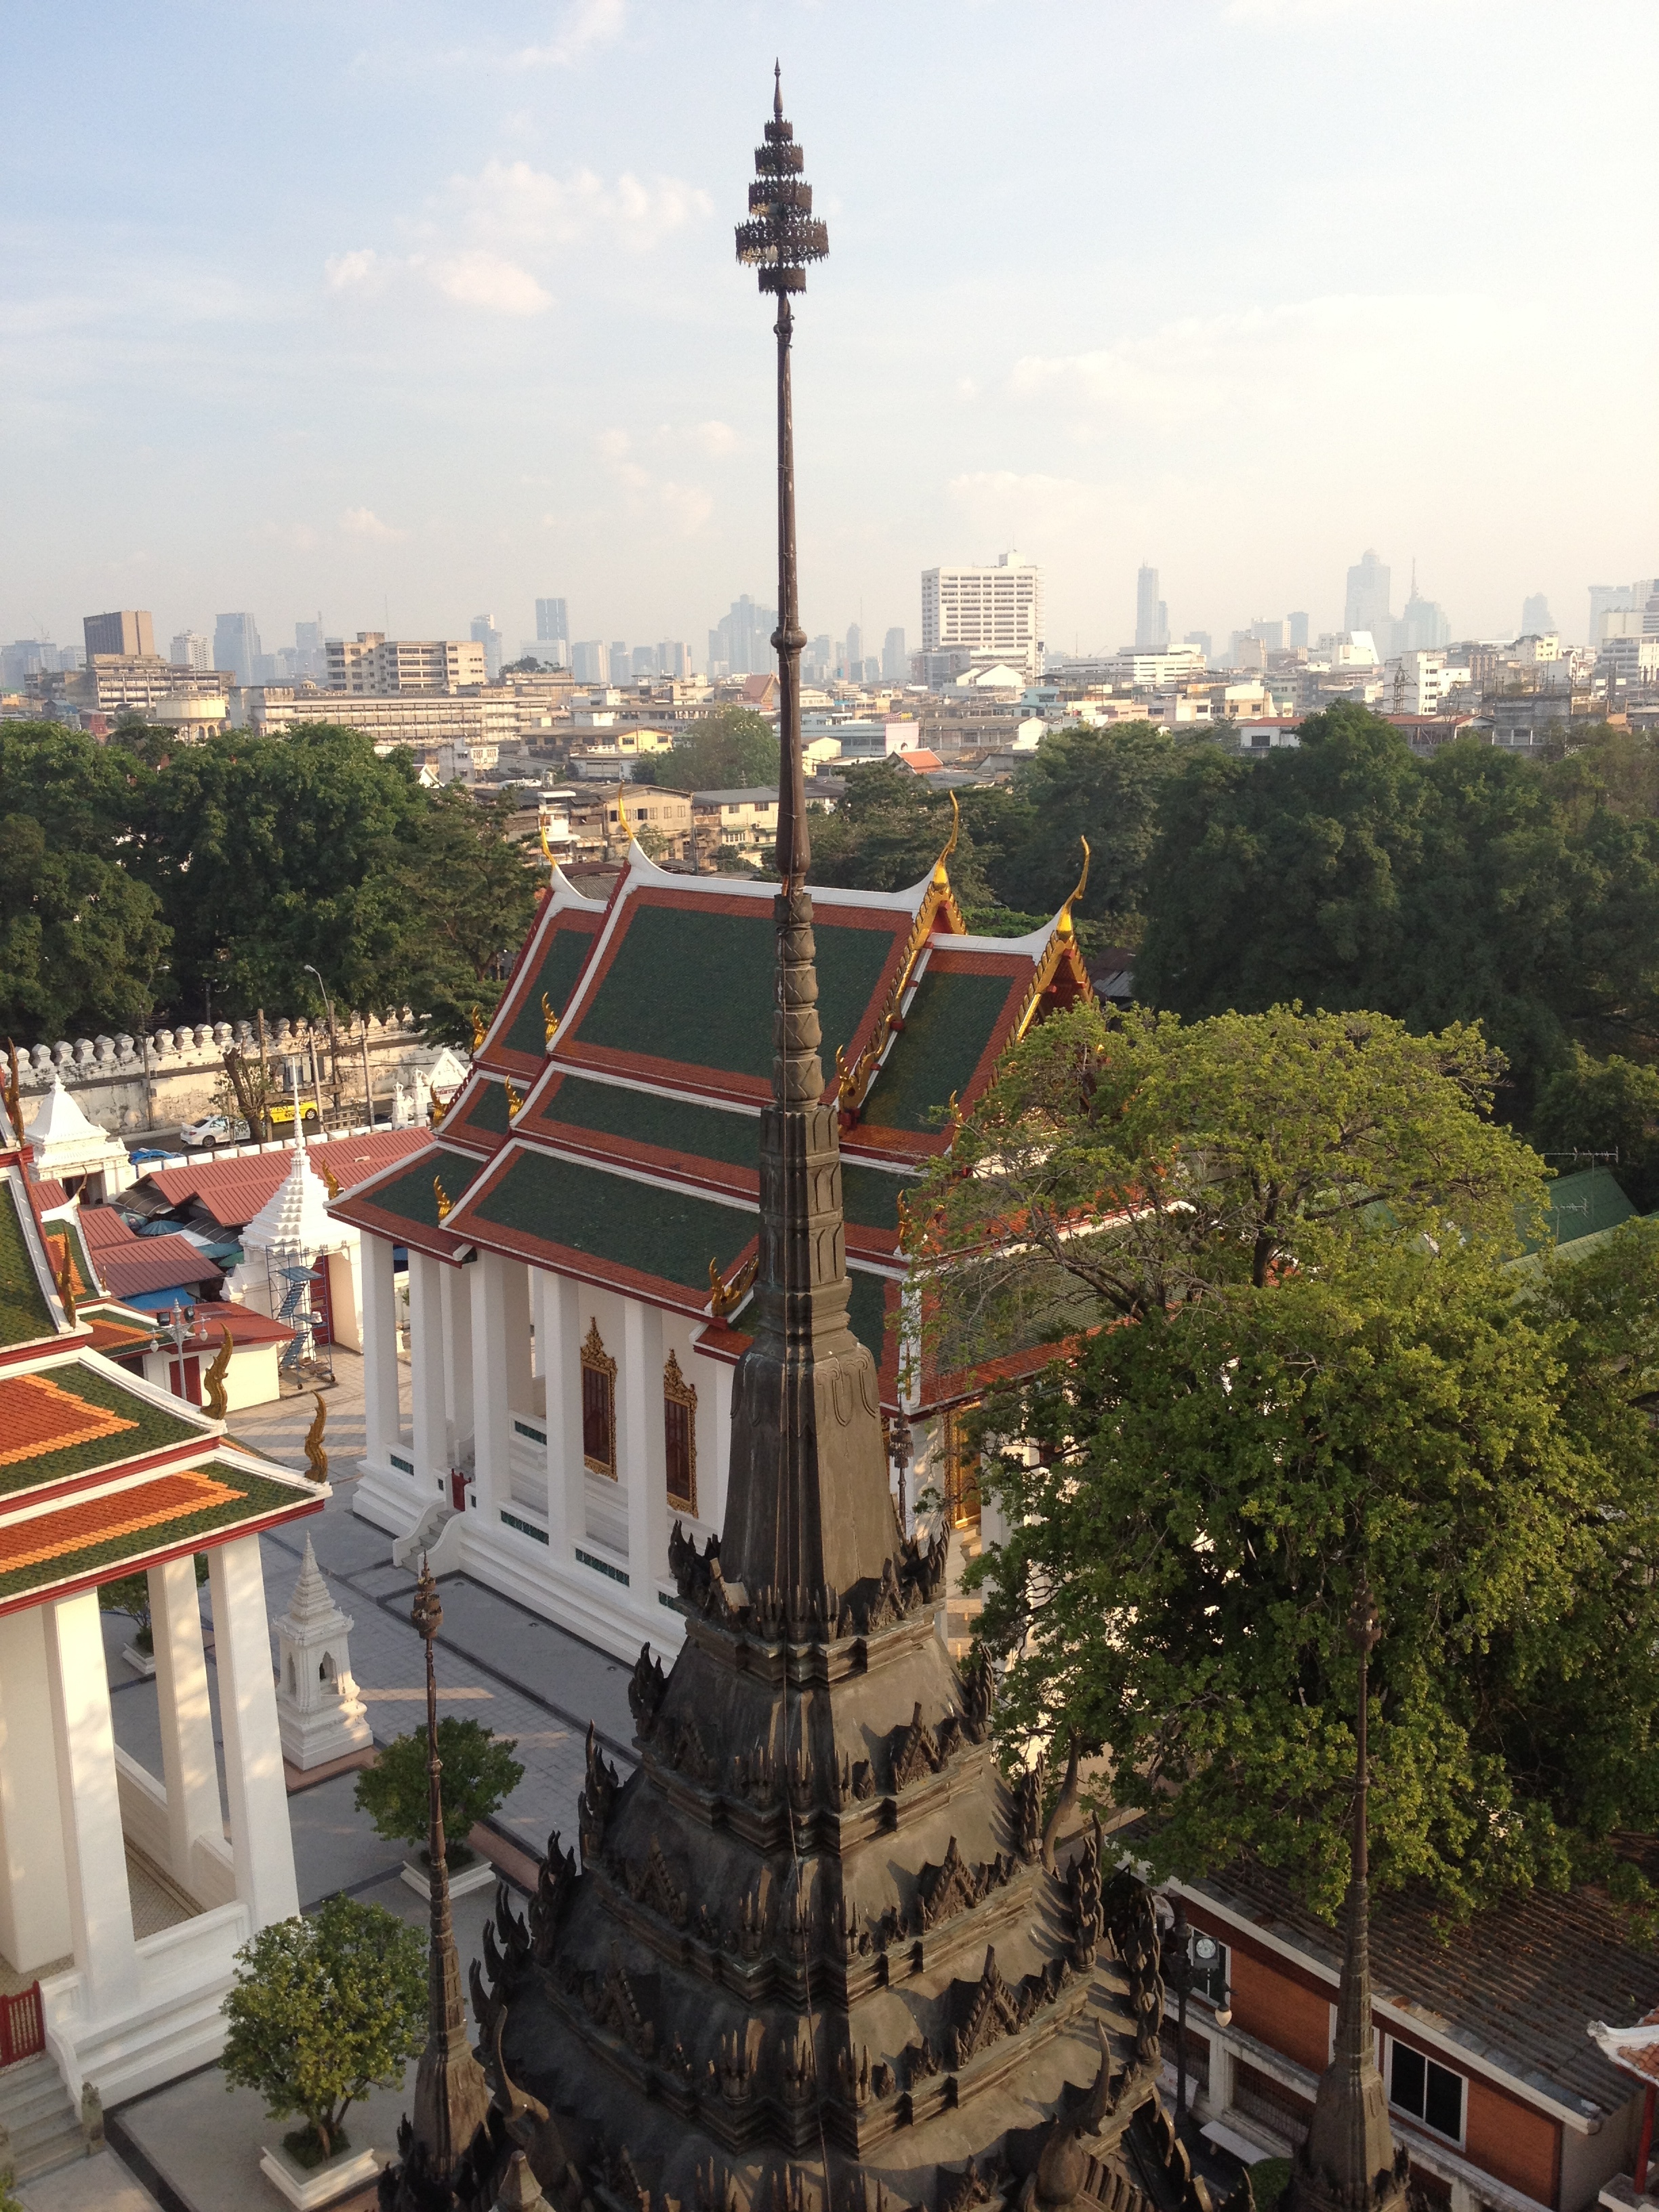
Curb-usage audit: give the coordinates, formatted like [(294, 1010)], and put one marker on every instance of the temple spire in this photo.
[(1349, 2162), (807, 1504)]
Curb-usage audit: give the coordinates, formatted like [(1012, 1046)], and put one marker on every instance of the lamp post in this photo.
[(333, 1041), (1177, 1964)]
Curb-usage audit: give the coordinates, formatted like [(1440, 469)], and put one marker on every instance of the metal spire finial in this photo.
[(777, 90)]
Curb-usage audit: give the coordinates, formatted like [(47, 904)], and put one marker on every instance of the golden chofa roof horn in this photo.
[(939, 876), (1064, 924)]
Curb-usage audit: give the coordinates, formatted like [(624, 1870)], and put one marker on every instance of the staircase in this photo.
[(39, 2116)]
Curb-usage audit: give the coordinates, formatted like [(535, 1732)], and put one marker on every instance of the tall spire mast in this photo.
[(1348, 2163), (807, 1501)]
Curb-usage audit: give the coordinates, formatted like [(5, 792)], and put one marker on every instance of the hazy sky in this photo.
[(398, 313)]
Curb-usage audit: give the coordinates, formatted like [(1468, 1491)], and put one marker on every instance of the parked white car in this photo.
[(213, 1129)]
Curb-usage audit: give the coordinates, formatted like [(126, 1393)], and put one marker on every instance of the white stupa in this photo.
[(319, 1715), (292, 1230), (67, 1146)]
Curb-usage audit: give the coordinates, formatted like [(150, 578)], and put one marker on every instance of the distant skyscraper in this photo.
[(190, 649), (130, 631), (311, 646), (1268, 631), (587, 661), (1152, 615), (674, 659), (854, 662), (895, 660), (1298, 631), (1423, 626), (819, 658), (741, 641), (643, 661), (1536, 620), (1607, 600), (1366, 606), (236, 646), (484, 633), (1200, 638), (552, 621), (620, 668)]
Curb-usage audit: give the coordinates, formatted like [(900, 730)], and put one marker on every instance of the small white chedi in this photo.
[(319, 1715)]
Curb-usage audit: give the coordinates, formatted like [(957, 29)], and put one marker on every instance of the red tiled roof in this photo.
[(50, 1194), (920, 761), (155, 1263), (245, 1326), (233, 1191)]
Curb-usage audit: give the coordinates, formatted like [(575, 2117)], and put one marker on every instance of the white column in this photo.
[(380, 1420), (640, 1447), (188, 1766), (89, 1806), (551, 1359), (711, 1498), (261, 1841), (492, 1412), (457, 1299), (425, 1371), (515, 1313), (34, 1904), (566, 1478)]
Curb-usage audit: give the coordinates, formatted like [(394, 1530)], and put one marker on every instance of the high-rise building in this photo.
[(310, 648), (1536, 620), (1298, 622), (852, 653), (1366, 606), (190, 649), (587, 661), (552, 621), (818, 658), (236, 646), (1152, 614), (1607, 599), (740, 644), (644, 661), (373, 666), (1425, 627), (485, 633), (130, 631), (674, 659), (895, 660), (621, 663), (1268, 631), (994, 613), (1200, 638)]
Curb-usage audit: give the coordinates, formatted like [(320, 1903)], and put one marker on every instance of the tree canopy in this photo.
[(732, 749), (479, 1770)]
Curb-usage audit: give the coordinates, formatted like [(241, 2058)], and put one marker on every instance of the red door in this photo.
[(322, 1305), (185, 1378)]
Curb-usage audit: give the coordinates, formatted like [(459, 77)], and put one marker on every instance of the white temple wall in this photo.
[(34, 1906)]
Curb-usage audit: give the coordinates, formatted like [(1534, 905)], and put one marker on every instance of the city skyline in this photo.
[(459, 318)]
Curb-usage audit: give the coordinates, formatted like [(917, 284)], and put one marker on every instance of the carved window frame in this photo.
[(962, 1502), (679, 1398), (596, 1362)]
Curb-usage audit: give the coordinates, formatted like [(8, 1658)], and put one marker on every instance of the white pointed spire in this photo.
[(295, 1218), (319, 1715)]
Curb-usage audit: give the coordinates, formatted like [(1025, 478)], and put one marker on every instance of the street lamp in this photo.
[(333, 1041)]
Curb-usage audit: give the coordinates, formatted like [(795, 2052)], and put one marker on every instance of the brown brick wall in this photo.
[(1283, 2012), (1514, 2140)]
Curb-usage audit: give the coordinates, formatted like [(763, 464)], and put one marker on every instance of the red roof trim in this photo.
[(255, 1525)]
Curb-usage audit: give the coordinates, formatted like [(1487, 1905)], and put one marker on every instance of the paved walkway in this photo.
[(526, 1677)]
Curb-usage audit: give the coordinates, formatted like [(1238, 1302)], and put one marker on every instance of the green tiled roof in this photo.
[(555, 974), (870, 1197), (947, 1030), (153, 1431), (410, 1195), (647, 1117), (24, 1313), (697, 988), (1583, 1205), (486, 1110), (866, 1312), (259, 1496), (669, 1234)]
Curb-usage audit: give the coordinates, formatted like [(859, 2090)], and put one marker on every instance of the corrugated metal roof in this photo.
[(153, 1263), (233, 1191), (105, 1226)]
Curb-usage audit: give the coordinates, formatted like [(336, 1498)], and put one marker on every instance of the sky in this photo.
[(401, 313)]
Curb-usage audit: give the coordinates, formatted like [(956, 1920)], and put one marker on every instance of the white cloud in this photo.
[(478, 278), (685, 507), (716, 437), (588, 24), (513, 200), (354, 272), (363, 522)]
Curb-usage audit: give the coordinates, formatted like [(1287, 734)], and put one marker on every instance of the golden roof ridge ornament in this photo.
[(726, 1298), (1064, 925), (941, 878), (549, 1022), (445, 1204), (479, 1026), (316, 1457), (622, 813), (213, 1379), (514, 1104)]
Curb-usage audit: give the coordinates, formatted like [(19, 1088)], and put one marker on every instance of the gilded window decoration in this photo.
[(599, 1404), (679, 1422), (961, 1473)]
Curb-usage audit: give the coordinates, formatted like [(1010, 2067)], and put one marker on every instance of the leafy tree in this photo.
[(888, 831), (732, 748), (466, 895), (1118, 1165), (479, 1770), (1604, 1106), (324, 2010), (1104, 785), (1195, 1503)]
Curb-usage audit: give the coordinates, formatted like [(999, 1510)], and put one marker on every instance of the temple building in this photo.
[(124, 1895), (582, 1231)]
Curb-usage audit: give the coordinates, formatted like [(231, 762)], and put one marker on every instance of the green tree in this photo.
[(1209, 1491), (466, 895), (1104, 785), (1119, 1165), (479, 1770), (1603, 1106), (888, 831), (732, 749), (323, 2010)]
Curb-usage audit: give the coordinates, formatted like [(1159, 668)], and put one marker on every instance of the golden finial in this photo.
[(478, 1026), (622, 814), (514, 1104), (66, 1279), (331, 1182), (549, 1021), (213, 1379), (724, 1297), (541, 839), (316, 1457), (903, 1218), (442, 1197), (939, 876), (1063, 926)]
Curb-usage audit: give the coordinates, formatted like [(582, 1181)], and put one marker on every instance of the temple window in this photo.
[(961, 1473), (599, 1404), (679, 1422)]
